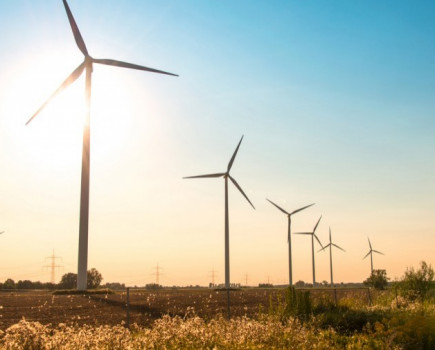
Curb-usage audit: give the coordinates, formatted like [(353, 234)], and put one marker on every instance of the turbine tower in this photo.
[(289, 239), (371, 251), (313, 235), (330, 254), (226, 175), (87, 65)]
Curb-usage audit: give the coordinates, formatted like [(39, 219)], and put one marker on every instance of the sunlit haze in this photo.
[(335, 101)]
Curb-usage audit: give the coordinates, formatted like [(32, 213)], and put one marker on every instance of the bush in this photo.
[(377, 280), (417, 285), (346, 320), (297, 304)]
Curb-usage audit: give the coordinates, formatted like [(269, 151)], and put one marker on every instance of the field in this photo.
[(261, 318), (145, 306)]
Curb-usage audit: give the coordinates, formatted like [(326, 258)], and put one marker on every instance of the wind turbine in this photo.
[(371, 251), (289, 239), (330, 254), (2, 232), (87, 65), (226, 175), (313, 235)]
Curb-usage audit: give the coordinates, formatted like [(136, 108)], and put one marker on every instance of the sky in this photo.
[(335, 100)]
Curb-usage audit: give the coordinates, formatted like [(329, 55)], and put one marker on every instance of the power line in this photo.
[(157, 273), (53, 266), (212, 275)]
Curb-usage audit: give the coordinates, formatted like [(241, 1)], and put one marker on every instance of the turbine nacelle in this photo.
[(371, 251), (226, 175), (286, 212), (331, 244), (313, 233), (88, 62)]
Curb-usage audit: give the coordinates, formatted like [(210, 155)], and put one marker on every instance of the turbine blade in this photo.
[(2, 232), (240, 189), (326, 246), (318, 240), (370, 243), (315, 227), (75, 29), (203, 176), (367, 254), (230, 164), (336, 246), (278, 207), (330, 241), (376, 251), (129, 65), (298, 210), (68, 81), (302, 233)]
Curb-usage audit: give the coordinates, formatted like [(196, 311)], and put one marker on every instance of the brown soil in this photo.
[(145, 306)]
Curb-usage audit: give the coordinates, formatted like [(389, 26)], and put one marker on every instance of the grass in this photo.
[(83, 292), (293, 321)]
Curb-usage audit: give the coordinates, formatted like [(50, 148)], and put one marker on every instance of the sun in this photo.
[(53, 140)]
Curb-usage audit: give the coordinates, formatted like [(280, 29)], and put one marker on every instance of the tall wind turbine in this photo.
[(289, 238), (371, 251), (226, 175), (87, 65), (313, 235), (330, 254)]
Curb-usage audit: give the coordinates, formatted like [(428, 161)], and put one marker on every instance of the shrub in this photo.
[(417, 284), (297, 304), (377, 280)]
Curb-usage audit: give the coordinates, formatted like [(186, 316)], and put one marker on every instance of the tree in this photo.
[(69, 280), (26, 284), (152, 286), (94, 278), (300, 284), (416, 284), (9, 284), (378, 279), (114, 285)]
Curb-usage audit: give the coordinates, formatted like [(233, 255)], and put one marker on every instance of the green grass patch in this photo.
[(83, 292)]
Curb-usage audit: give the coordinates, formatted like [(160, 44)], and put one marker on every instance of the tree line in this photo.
[(68, 281)]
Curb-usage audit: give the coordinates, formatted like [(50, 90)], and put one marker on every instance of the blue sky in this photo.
[(335, 99)]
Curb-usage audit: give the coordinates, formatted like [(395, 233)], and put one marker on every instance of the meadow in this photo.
[(173, 319)]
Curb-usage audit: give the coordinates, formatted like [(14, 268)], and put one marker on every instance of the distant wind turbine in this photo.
[(330, 254), (313, 235), (87, 65), (371, 251), (289, 239), (226, 175)]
